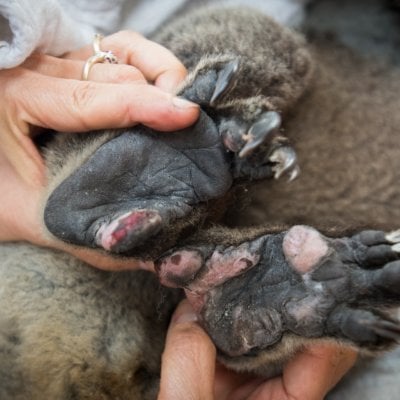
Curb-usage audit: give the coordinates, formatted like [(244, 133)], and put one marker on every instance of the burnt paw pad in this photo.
[(129, 230)]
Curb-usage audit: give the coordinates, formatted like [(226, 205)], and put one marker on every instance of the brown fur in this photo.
[(345, 133), (70, 332)]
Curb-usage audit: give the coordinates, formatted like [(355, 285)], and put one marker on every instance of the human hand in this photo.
[(47, 92), (189, 370)]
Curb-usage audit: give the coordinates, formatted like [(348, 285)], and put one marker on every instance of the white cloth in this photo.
[(41, 25), (57, 26)]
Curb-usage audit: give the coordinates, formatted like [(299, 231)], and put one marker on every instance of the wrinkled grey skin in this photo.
[(68, 331), (137, 189), (140, 170), (303, 285)]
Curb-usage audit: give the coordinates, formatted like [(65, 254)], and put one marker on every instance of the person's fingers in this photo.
[(310, 375), (72, 69), (20, 216), (21, 152), (188, 361), (19, 213), (73, 105), (328, 361), (156, 62), (233, 385), (101, 261)]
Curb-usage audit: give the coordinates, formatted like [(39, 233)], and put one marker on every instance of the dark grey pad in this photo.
[(249, 296), (141, 170)]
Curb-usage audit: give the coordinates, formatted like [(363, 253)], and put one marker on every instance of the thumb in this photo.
[(188, 362)]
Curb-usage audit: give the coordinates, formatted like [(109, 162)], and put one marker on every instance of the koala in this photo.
[(135, 192), (262, 293)]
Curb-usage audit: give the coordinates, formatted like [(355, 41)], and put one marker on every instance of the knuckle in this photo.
[(82, 94), (12, 81)]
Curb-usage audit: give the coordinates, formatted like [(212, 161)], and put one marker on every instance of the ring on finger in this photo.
[(99, 56)]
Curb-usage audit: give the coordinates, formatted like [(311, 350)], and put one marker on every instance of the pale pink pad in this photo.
[(304, 309), (222, 266), (184, 265), (304, 247)]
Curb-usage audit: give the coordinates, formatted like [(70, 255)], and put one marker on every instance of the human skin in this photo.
[(47, 92), (190, 371)]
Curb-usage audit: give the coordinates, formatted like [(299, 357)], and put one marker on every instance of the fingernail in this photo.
[(184, 313), (179, 102)]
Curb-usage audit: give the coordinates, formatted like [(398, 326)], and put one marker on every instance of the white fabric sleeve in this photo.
[(42, 25), (146, 16), (287, 12)]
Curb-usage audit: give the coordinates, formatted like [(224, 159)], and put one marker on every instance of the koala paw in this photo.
[(249, 127), (259, 147), (299, 282)]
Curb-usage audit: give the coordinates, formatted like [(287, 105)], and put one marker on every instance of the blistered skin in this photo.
[(151, 178), (136, 191), (252, 296), (141, 182)]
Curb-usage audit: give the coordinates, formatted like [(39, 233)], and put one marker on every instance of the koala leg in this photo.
[(252, 295)]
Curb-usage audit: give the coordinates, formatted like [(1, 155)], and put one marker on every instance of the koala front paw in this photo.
[(248, 124), (260, 149)]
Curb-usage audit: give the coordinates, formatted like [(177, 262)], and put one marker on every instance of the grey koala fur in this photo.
[(167, 182), (68, 331), (40, 362)]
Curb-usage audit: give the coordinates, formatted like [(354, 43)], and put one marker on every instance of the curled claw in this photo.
[(393, 237), (260, 132), (285, 160), (225, 81)]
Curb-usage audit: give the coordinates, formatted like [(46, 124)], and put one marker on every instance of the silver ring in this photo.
[(99, 56)]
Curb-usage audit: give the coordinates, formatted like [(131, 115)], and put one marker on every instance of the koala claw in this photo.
[(285, 160), (311, 285), (260, 132), (393, 237), (225, 80)]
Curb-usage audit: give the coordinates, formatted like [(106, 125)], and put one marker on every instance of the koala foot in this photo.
[(248, 126), (251, 296)]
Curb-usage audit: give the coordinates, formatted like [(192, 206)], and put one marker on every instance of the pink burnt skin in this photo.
[(198, 278), (304, 247), (117, 230), (225, 265)]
